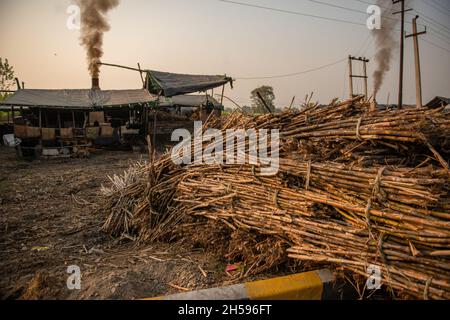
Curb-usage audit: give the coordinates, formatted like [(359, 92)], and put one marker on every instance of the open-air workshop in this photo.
[(213, 180)]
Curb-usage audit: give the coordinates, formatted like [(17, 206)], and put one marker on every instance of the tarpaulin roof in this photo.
[(77, 98), (187, 101), (438, 102), (173, 84)]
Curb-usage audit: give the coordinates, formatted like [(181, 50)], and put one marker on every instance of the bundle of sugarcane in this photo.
[(310, 115), (412, 254), (139, 203), (371, 138), (313, 201)]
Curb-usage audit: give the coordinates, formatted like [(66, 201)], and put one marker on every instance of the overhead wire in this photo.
[(318, 17)]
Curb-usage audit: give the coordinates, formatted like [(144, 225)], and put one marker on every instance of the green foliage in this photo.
[(267, 94), (247, 110), (6, 76)]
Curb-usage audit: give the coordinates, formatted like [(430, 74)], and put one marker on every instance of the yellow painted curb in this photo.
[(313, 285), (303, 286)]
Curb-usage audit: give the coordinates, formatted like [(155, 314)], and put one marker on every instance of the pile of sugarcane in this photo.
[(354, 189)]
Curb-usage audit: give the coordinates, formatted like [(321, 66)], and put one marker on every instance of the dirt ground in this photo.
[(47, 225)]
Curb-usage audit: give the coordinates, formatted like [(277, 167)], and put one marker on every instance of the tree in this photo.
[(267, 94), (6, 77), (247, 110)]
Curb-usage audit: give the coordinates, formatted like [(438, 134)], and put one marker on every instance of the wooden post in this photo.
[(223, 92), (292, 102), (40, 125), (140, 73), (350, 76), (415, 35), (73, 119), (18, 84), (402, 48), (365, 79), (263, 101), (59, 126), (417, 64), (154, 126), (59, 119), (86, 119), (145, 110)]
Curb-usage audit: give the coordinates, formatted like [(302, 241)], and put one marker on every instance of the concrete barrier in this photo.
[(313, 285)]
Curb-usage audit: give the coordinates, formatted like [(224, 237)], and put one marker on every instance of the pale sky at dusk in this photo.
[(213, 37)]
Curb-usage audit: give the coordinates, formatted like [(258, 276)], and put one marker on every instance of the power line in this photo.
[(336, 6), (350, 9), (430, 20), (292, 12), (437, 46), (435, 34), (425, 17), (434, 7), (322, 17), (441, 6), (365, 43), (312, 16), (295, 73)]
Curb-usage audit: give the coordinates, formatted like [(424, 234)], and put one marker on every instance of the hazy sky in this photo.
[(213, 37)]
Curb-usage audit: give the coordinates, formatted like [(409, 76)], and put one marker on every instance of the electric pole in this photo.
[(402, 42), (416, 35), (351, 75)]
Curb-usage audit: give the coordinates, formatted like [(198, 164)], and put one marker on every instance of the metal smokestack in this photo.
[(95, 84)]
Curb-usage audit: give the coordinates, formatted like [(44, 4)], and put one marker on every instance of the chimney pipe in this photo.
[(95, 84), (373, 105)]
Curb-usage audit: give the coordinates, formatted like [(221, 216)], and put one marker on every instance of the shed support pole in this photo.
[(40, 125), (223, 92), (73, 119), (40, 118), (59, 126)]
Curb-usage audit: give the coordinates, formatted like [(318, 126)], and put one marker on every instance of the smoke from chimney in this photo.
[(385, 44), (93, 26)]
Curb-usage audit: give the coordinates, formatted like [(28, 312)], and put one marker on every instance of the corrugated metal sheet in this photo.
[(173, 84), (78, 98)]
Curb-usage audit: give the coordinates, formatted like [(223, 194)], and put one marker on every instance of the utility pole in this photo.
[(402, 42), (365, 61), (416, 35), (351, 75)]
